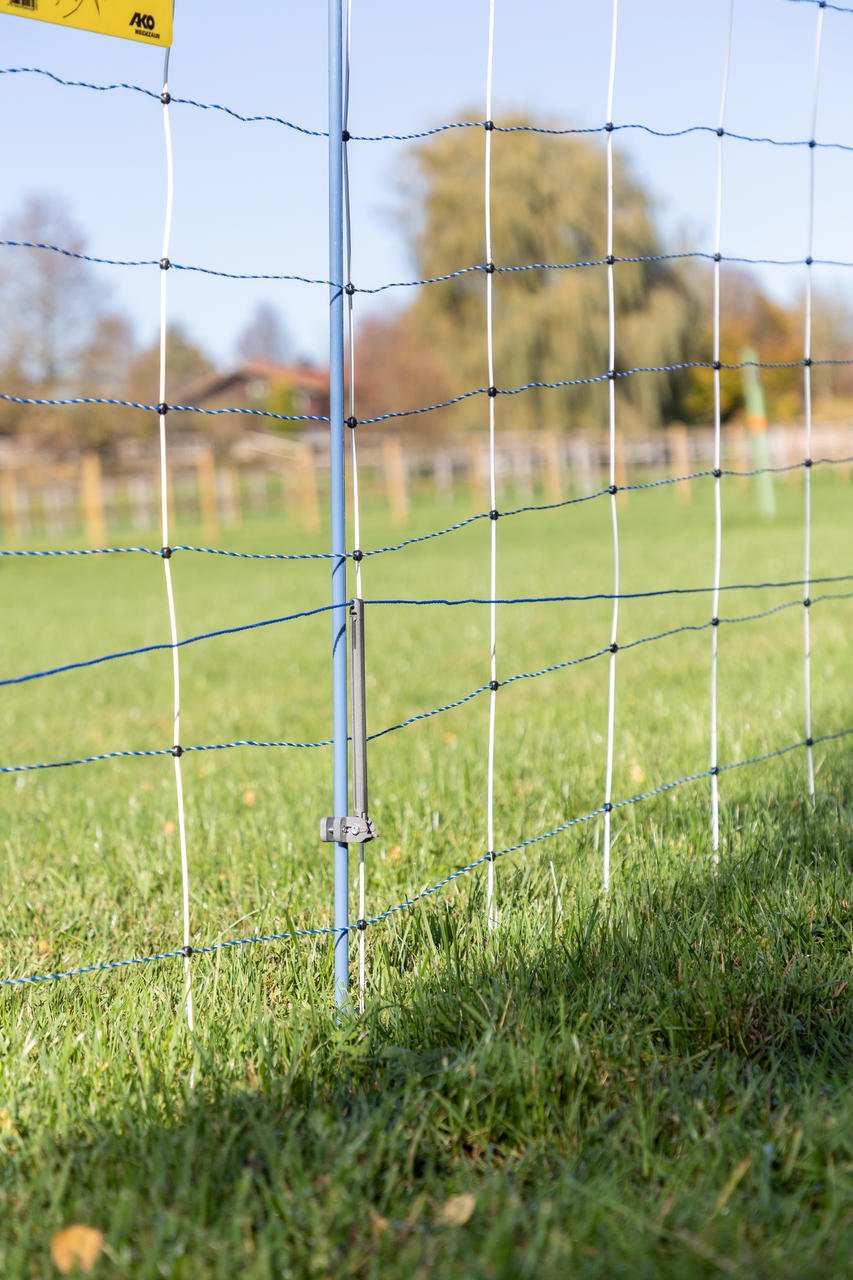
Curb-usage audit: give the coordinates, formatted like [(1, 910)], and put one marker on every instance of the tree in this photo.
[(186, 364), (265, 337), (58, 336), (548, 206)]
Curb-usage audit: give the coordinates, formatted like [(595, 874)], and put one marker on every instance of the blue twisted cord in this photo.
[(251, 742), (85, 551), (177, 408), (426, 893), (443, 128), (485, 515), (426, 280), (622, 595), (444, 404), (437, 533), (450, 706), (154, 648), (595, 813), (824, 4), (258, 555)]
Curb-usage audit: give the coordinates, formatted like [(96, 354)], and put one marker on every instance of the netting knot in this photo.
[(361, 925), (186, 951), (165, 97), (714, 770), (608, 128), (358, 556), (607, 807), (494, 685), (345, 135), (491, 856), (717, 472), (165, 264), (718, 257), (162, 409), (611, 373), (720, 131), (177, 751), (717, 365), (809, 260), (614, 648), (488, 125), (490, 268), (351, 422), (807, 363), (166, 553), (493, 391), (715, 622), (349, 289), (807, 602), (808, 462), (494, 513), (610, 259), (812, 142), (612, 489), (809, 742)]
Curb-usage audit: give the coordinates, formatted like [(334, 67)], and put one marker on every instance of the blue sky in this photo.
[(252, 197)]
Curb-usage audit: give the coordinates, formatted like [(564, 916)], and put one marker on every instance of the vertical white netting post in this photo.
[(493, 523), (718, 501), (611, 415), (807, 411), (352, 423), (162, 409)]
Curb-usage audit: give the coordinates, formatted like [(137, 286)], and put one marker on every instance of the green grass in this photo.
[(655, 1083)]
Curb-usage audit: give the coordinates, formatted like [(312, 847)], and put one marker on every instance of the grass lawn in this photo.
[(652, 1083)]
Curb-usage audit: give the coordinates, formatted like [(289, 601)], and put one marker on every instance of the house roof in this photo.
[(299, 377)]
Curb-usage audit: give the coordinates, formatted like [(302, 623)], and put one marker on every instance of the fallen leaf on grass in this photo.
[(248, 797), (7, 1126), (637, 774), (76, 1246), (168, 827), (456, 1211)]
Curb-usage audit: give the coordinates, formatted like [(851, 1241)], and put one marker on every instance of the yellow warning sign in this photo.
[(145, 21)]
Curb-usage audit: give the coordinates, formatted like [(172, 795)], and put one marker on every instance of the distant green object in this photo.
[(756, 421)]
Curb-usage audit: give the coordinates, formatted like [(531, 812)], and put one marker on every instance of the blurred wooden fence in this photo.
[(268, 475)]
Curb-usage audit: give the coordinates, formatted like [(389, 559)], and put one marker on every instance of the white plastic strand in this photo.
[(807, 412), (614, 519), (167, 563), (491, 914), (356, 505), (718, 500)]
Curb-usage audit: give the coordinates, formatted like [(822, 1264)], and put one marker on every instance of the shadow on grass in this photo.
[(652, 1085)]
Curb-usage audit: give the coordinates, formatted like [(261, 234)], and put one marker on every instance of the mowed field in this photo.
[(652, 1083)]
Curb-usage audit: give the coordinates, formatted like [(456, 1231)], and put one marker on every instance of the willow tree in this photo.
[(548, 206)]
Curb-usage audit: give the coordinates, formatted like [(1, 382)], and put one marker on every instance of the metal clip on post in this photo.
[(356, 828)]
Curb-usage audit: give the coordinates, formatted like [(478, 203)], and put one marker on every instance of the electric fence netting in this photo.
[(581, 597)]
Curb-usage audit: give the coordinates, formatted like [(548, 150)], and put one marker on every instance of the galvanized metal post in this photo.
[(336, 443)]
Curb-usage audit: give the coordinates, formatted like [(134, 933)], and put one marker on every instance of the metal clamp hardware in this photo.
[(351, 830)]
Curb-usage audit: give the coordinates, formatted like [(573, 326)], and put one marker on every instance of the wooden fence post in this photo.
[(553, 477), (9, 499), (396, 480), (620, 469), (229, 489), (478, 475), (740, 452), (679, 459), (208, 505), (93, 500), (306, 487)]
